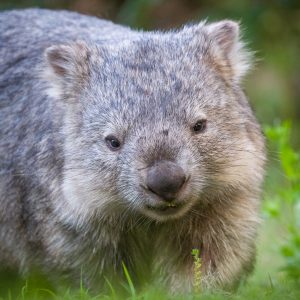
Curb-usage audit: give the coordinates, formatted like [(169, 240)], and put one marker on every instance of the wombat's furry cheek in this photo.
[(87, 196), (81, 201), (243, 167)]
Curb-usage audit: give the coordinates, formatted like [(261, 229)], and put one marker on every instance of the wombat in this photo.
[(122, 147)]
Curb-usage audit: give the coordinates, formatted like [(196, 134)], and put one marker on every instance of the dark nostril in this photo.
[(165, 179)]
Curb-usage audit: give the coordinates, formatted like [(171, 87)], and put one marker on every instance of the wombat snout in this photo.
[(165, 179)]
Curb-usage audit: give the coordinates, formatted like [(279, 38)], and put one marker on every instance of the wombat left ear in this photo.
[(67, 67), (227, 50)]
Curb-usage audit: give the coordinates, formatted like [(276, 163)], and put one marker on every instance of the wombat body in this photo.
[(124, 146)]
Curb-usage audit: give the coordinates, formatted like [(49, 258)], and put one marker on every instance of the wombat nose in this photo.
[(165, 179)]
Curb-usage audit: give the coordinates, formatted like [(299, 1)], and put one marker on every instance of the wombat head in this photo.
[(156, 124)]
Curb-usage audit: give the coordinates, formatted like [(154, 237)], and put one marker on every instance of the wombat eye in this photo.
[(112, 143), (199, 126)]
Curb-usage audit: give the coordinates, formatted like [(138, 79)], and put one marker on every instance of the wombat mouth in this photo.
[(169, 208)]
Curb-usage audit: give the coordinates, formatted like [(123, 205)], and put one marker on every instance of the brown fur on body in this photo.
[(72, 205)]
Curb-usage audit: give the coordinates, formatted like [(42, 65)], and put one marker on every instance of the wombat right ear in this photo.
[(67, 67), (227, 50)]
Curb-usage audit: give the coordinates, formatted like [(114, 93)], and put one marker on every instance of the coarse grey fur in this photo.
[(71, 205)]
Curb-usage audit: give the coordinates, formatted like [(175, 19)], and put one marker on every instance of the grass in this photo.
[(197, 270)]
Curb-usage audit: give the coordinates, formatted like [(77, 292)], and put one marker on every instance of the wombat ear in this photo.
[(227, 50), (67, 67)]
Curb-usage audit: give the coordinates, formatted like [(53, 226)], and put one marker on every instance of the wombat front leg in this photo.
[(226, 255), (215, 272)]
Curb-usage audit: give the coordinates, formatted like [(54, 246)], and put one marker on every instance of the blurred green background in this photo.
[(272, 29)]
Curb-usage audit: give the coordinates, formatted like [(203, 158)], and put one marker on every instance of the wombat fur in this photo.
[(126, 146)]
